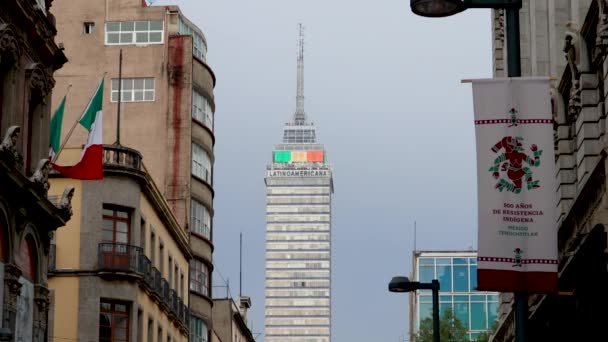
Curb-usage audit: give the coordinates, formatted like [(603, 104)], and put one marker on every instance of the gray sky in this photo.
[(383, 88)]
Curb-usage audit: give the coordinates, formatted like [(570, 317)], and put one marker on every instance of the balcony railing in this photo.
[(145, 268), (156, 285), (118, 257), (164, 284), (116, 155), (126, 258), (174, 303)]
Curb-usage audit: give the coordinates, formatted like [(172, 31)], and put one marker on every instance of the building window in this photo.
[(199, 47), (142, 235), (150, 329), (89, 28), (201, 110), (198, 330), (134, 89), (152, 246), (181, 285), (26, 259), (113, 321), (201, 163), (170, 277), (116, 226), (199, 277), (201, 220), (134, 32), (161, 256)]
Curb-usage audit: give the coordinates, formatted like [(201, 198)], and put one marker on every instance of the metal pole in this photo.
[(513, 52), (119, 98), (435, 310), (514, 70)]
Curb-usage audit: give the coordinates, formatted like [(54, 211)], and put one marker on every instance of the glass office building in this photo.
[(457, 275)]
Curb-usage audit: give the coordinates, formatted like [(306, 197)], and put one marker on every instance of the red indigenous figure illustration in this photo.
[(511, 162)]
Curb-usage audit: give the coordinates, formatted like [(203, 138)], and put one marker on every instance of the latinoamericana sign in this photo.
[(298, 173), (517, 246)]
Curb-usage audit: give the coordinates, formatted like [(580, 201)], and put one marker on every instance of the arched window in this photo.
[(26, 260)]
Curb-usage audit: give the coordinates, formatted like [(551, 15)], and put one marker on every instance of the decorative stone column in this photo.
[(12, 291), (41, 312)]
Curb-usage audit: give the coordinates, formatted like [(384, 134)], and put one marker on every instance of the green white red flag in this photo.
[(90, 166), (56, 122), (517, 246)]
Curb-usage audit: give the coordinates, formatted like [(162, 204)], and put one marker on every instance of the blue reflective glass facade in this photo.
[(457, 275)]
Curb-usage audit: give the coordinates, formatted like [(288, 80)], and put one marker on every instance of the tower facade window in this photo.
[(201, 163), (201, 220)]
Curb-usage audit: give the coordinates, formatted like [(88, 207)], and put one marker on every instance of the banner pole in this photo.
[(514, 70)]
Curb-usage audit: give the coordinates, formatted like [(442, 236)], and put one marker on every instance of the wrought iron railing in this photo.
[(166, 292), (156, 285), (128, 258), (118, 257), (174, 302)]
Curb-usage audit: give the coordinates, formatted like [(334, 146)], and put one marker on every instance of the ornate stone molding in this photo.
[(9, 46), (12, 286), (8, 147), (601, 38), (578, 62), (39, 80), (65, 205), (40, 178), (41, 312)]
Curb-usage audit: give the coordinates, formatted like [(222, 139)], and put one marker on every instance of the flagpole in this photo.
[(119, 98), (65, 141)]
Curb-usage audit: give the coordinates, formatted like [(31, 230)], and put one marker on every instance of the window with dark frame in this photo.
[(113, 321), (116, 226), (150, 329), (199, 277), (89, 28)]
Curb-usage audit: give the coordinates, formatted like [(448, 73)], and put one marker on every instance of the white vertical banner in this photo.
[(517, 246)]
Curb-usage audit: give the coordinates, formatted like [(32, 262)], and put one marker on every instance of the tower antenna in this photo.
[(300, 117), (241, 266), (414, 236)]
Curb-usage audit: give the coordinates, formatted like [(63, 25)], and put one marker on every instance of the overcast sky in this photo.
[(383, 88)]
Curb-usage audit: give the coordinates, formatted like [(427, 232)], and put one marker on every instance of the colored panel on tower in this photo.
[(298, 156), (315, 156), (282, 156)]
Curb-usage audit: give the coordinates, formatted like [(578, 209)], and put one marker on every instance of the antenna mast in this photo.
[(300, 117), (241, 266)]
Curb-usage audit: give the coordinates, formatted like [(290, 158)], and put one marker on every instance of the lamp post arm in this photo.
[(507, 4)]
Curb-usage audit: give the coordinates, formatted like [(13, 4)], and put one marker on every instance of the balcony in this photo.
[(118, 257), (131, 260), (121, 159)]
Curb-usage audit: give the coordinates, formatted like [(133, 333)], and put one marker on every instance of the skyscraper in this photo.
[(299, 186)]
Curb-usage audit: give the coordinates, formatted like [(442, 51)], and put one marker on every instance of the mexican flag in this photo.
[(90, 166), (56, 122)]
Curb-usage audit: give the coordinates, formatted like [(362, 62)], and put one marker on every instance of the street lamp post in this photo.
[(403, 284), (444, 8)]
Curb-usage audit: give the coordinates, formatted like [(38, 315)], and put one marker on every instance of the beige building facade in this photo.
[(119, 270), (167, 112), (230, 320), (568, 40), (29, 58)]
